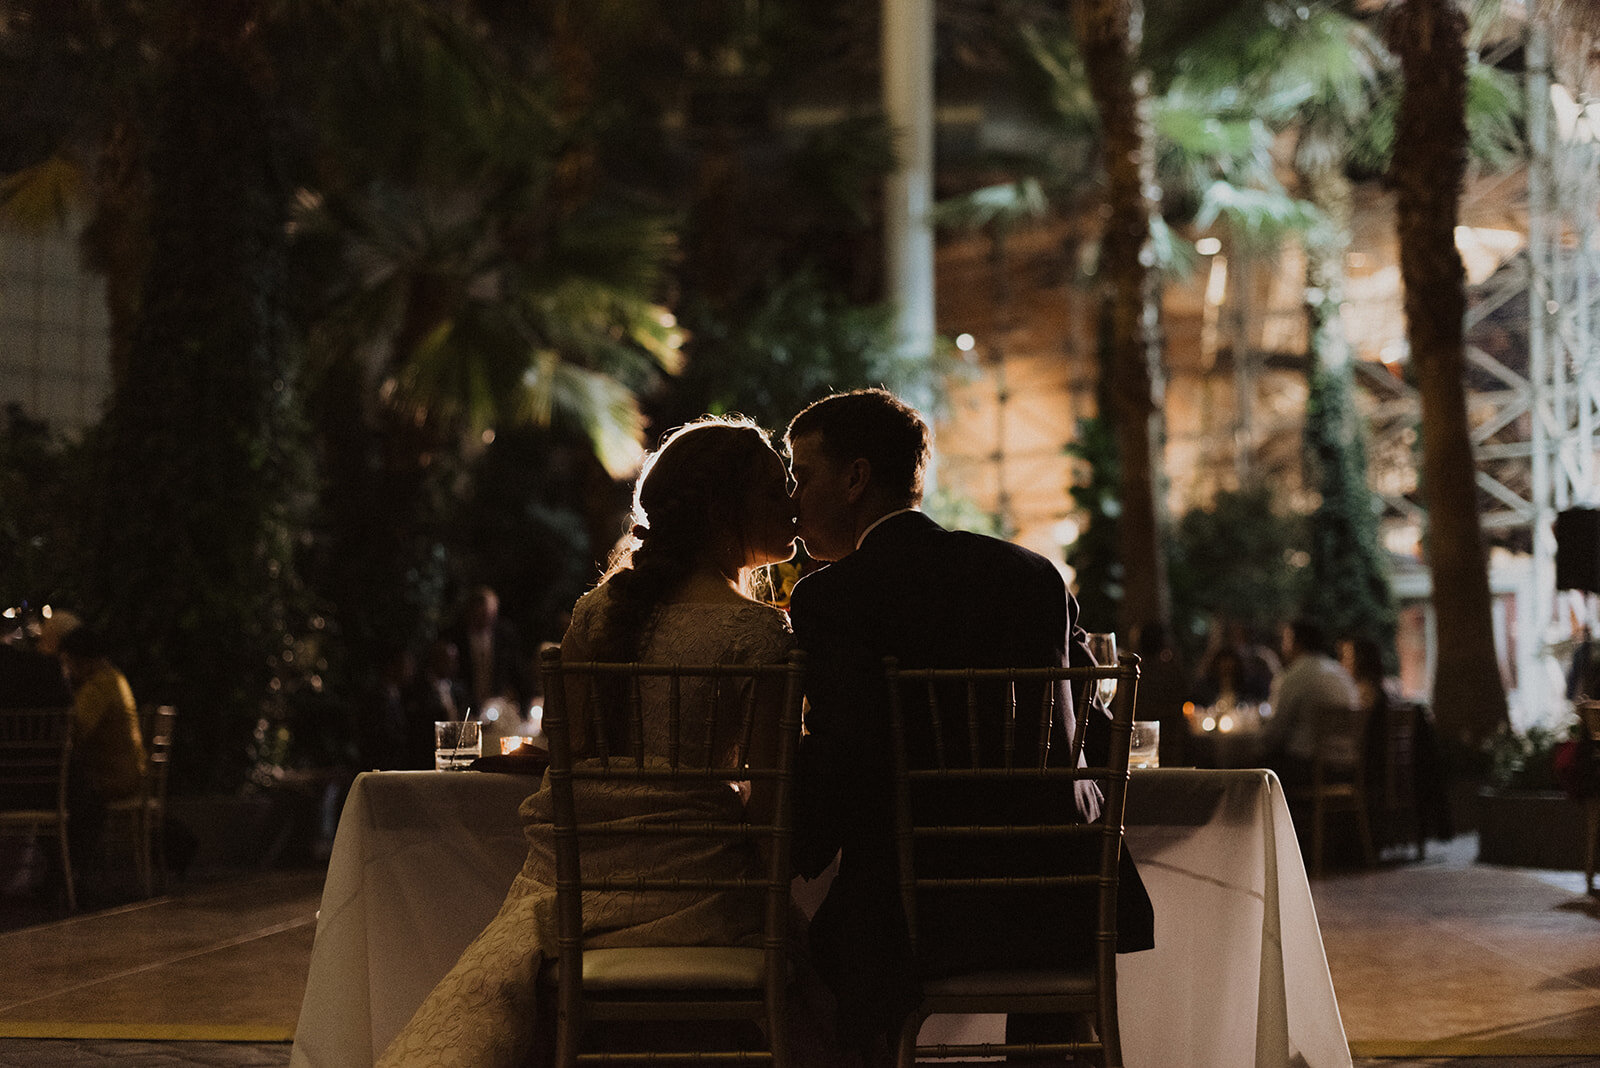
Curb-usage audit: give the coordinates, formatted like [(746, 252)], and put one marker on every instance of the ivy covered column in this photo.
[(1348, 590), (196, 468)]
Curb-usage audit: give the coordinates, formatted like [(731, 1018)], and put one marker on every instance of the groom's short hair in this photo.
[(875, 425)]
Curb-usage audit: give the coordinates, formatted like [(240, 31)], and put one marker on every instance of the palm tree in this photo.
[(1317, 72), (1429, 165), (1213, 164), (1108, 37)]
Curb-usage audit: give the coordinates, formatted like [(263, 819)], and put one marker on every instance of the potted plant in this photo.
[(1525, 818)]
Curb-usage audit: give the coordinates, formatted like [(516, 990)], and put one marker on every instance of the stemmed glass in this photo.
[(1103, 647)]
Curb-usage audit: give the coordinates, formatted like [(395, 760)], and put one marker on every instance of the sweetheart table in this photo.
[(422, 861)]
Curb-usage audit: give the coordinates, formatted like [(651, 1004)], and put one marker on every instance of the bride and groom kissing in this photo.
[(712, 507)]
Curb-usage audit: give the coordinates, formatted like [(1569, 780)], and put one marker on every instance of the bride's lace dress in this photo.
[(485, 1011)]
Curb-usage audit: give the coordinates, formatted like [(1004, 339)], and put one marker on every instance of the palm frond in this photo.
[(1324, 63), (611, 249), (1201, 137), (1005, 206), (840, 162), (1255, 216), (1495, 109), (1060, 81), (603, 408), (1173, 255)]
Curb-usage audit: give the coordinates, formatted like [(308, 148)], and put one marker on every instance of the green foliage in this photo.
[(198, 463), (521, 528), (1241, 560), (1348, 587), (1096, 557), (41, 483), (796, 341), (1524, 760)]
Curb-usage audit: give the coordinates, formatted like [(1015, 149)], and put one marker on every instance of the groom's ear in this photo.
[(860, 477)]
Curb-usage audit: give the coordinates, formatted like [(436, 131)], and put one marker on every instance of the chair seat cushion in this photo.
[(1019, 983), (674, 968)]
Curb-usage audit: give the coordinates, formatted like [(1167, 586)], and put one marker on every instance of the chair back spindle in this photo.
[(699, 729), (35, 751), (963, 818)]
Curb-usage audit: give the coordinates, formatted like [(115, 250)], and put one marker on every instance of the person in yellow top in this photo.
[(107, 748), (108, 758)]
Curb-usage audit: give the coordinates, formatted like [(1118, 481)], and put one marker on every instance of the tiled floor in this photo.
[(224, 961), (1449, 957), (1431, 961)]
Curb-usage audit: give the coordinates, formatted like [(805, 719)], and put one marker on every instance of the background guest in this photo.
[(30, 679), (108, 758), (493, 661), (383, 727), (1163, 687), (1313, 700), (436, 693)]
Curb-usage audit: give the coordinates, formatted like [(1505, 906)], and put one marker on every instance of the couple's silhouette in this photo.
[(711, 507)]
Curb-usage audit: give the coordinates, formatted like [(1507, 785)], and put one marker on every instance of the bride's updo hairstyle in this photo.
[(689, 503)]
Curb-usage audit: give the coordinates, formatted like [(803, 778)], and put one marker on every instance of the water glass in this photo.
[(456, 744), (1144, 750)]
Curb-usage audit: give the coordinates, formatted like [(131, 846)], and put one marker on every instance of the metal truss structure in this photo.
[(1533, 353), (1563, 302)]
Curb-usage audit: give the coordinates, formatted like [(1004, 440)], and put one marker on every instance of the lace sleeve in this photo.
[(767, 639)]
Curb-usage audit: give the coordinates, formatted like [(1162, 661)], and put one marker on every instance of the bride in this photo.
[(711, 505)]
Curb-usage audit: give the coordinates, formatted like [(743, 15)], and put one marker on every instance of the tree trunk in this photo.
[(1429, 165), (1107, 34)]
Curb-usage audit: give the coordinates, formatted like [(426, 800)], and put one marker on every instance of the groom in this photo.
[(898, 584)]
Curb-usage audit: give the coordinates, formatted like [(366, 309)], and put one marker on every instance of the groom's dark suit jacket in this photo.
[(932, 598)]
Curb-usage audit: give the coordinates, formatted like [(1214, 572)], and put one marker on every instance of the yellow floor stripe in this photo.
[(1479, 1047), (147, 1032)]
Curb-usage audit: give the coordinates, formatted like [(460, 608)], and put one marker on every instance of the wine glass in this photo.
[(1103, 647)]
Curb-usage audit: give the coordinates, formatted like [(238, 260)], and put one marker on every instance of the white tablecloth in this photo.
[(1238, 977)]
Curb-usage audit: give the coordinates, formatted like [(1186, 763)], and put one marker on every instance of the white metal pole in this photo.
[(907, 50), (1548, 486)]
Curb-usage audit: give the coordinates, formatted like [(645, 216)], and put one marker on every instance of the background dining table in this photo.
[(422, 861)]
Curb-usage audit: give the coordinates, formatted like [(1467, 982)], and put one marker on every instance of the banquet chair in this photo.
[(669, 983), (35, 748), (989, 731), (1337, 787), (1393, 798), (144, 814), (1589, 713)]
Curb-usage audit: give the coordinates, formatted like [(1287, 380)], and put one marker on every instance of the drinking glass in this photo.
[(1103, 647), (1144, 748), (456, 744)]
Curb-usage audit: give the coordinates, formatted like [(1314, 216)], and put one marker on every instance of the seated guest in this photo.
[(108, 758), (1378, 702), (1313, 702)]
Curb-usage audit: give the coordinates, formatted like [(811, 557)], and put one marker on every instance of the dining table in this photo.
[(1238, 975)]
